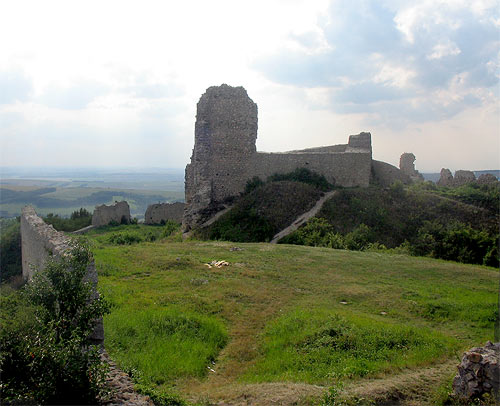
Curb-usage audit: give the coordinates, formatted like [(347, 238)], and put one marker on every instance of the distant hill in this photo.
[(434, 177)]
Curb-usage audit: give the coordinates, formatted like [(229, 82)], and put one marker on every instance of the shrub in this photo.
[(360, 238), (253, 184), (170, 228), (79, 219), (10, 249), (48, 358), (303, 175), (317, 233)]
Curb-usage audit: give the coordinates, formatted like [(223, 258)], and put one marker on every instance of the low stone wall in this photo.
[(385, 174), (156, 213), (103, 215), (39, 243)]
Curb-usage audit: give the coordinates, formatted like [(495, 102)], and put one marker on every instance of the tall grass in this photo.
[(164, 344), (321, 345)]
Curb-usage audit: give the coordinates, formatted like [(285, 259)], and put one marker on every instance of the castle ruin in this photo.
[(225, 156)]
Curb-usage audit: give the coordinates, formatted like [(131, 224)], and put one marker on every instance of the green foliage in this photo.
[(259, 215), (170, 227), (318, 233), (400, 221), (10, 249), (253, 184), (360, 238), (48, 358), (78, 219), (485, 196), (164, 343), (456, 242), (134, 234), (160, 398), (303, 175), (319, 345)]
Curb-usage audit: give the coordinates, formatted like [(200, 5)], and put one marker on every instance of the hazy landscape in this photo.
[(64, 190)]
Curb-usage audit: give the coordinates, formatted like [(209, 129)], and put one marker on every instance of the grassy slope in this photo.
[(263, 212), (396, 215), (289, 293)]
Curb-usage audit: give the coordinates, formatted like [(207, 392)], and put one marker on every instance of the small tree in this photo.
[(51, 360)]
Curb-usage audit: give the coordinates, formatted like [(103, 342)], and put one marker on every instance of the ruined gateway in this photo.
[(225, 157)]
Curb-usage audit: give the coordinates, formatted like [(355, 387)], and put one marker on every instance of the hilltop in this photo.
[(287, 323)]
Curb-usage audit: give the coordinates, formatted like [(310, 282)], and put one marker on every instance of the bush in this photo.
[(456, 242), (170, 228), (10, 249), (360, 238), (48, 358), (78, 219), (317, 233), (303, 175)]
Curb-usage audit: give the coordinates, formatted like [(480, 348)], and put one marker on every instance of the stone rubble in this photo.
[(479, 372), (122, 388)]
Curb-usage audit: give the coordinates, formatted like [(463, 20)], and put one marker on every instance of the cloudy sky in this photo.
[(115, 83)]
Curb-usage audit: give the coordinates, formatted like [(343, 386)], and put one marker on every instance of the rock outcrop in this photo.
[(479, 372), (119, 213), (162, 212), (407, 166)]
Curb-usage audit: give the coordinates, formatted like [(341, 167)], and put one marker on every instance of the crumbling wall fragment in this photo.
[(446, 178), (479, 372), (407, 166), (487, 179), (118, 212), (162, 212), (41, 242), (463, 178)]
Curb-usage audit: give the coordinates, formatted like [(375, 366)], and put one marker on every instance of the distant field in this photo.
[(64, 190), (289, 320)]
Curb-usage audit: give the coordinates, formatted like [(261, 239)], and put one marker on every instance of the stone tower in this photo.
[(224, 148)]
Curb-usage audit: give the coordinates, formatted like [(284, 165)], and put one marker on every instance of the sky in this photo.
[(115, 83)]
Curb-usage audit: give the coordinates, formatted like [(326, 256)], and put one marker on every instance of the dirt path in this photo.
[(303, 218), (411, 387)]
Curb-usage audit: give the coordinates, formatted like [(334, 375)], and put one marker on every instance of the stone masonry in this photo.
[(41, 242), (407, 166), (479, 372), (463, 178), (162, 212), (225, 157), (103, 215)]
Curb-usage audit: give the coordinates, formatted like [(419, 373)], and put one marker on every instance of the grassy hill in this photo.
[(289, 324)]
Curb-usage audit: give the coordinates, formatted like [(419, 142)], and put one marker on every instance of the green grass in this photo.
[(275, 313), (320, 345), (164, 344)]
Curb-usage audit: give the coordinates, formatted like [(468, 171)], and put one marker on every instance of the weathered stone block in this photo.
[(161, 212), (479, 372), (103, 215)]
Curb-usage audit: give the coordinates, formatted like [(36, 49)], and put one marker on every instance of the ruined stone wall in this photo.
[(407, 166), (342, 169), (39, 243), (156, 213), (385, 174), (224, 155), (103, 215)]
